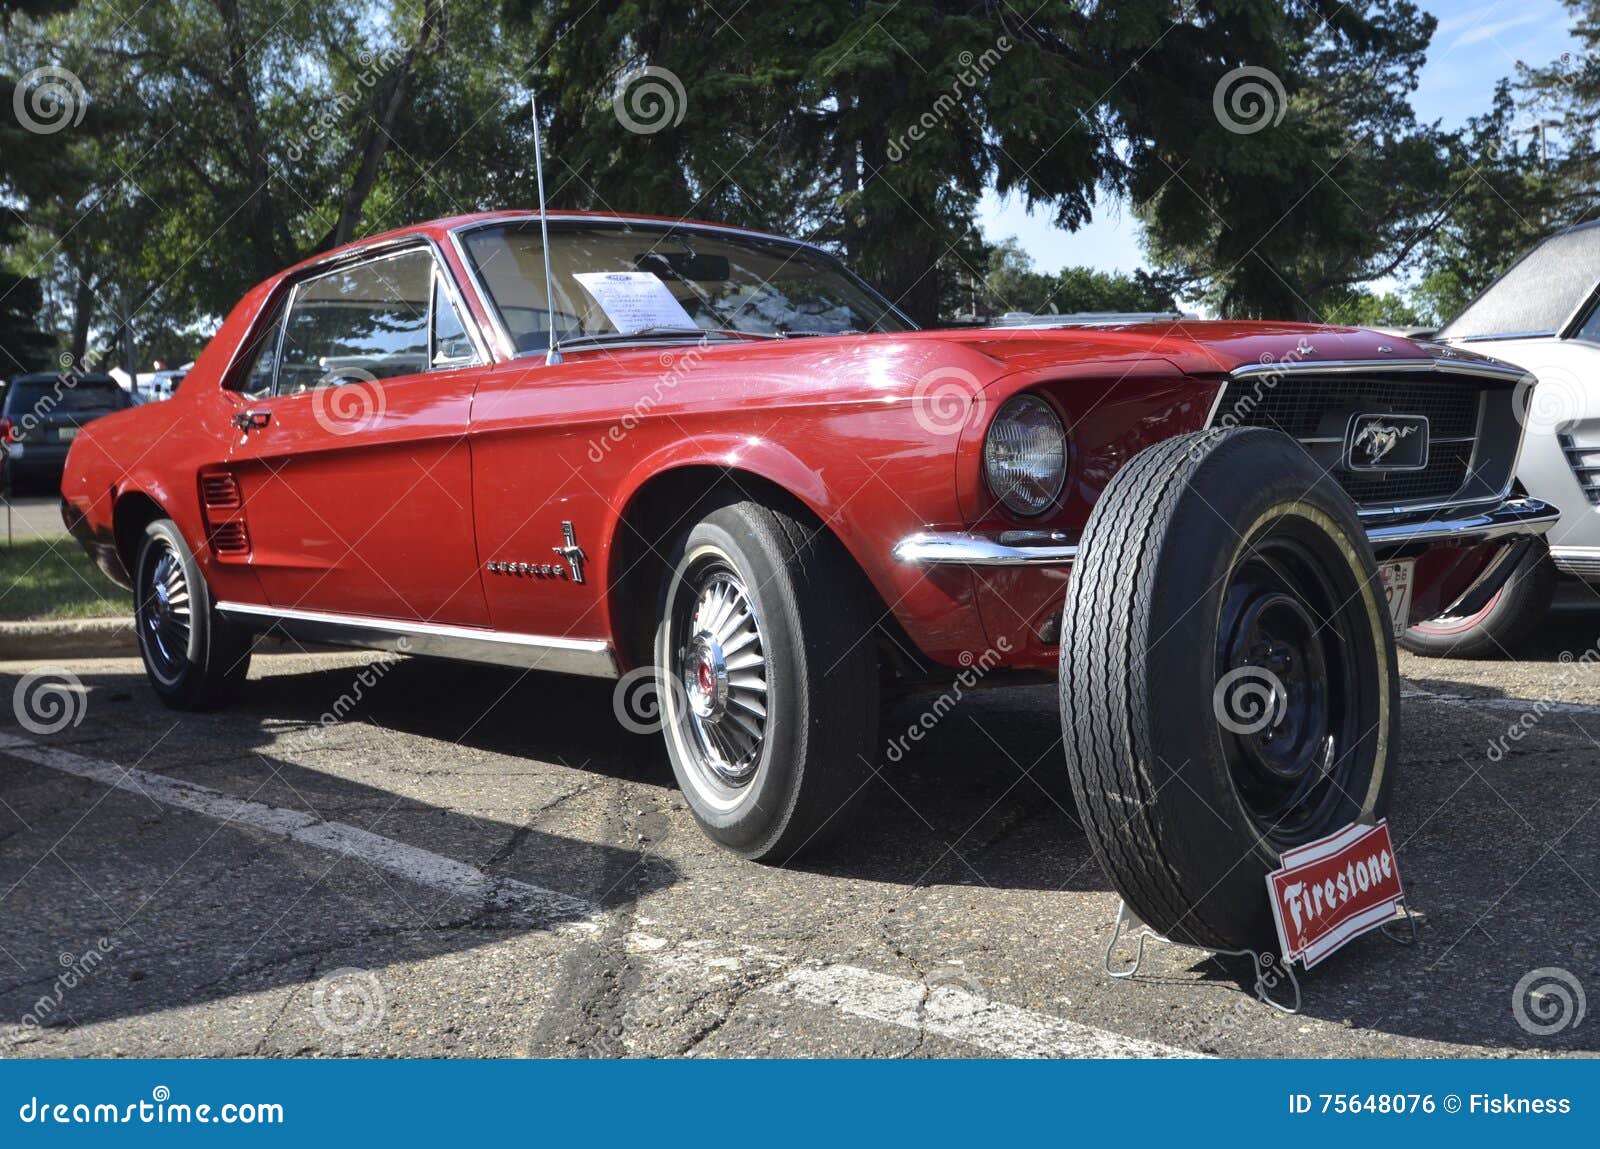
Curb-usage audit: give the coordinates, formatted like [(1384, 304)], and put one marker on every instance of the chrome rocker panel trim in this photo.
[(1512, 517), (1583, 562), (592, 658)]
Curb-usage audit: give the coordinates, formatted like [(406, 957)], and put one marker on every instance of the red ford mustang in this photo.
[(718, 454)]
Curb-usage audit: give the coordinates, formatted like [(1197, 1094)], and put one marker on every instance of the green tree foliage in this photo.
[(1332, 182), (1012, 283), (228, 139), (1362, 308), (24, 160), (1500, 196), (877, 125)]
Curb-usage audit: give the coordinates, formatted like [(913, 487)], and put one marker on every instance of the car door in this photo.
[(352, 460)]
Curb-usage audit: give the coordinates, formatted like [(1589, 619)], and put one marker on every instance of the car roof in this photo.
[(52, 376), (439, 229)]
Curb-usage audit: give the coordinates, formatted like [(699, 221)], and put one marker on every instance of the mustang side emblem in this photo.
[(1387, 443), (571, 552)]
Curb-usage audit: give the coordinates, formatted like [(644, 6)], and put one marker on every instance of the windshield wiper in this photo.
[(664, 331)]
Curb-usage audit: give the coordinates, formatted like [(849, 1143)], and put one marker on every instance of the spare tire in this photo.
[(1228, 680)]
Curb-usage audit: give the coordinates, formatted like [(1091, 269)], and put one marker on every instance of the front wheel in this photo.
[(194, 659), (1501, 623), (765, 641), (1228, 680)]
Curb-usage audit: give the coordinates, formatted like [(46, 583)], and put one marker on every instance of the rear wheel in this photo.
[(770, 695), (1501, 623), (1228, 681), (194, 659)]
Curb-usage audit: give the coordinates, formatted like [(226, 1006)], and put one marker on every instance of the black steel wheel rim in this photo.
[(1294, 634)]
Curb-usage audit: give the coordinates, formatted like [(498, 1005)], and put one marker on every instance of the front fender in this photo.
[(866, 501)]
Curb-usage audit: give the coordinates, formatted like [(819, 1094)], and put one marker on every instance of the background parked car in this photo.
[(1542, 314), (41, 416), (161, 384)]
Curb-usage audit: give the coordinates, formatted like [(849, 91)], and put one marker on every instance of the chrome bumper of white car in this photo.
[(1046, 549)]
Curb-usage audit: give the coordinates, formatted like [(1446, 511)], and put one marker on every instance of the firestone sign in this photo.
[(1332, 891)]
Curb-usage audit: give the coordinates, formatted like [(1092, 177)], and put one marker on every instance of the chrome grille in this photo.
[(1585, 464), (1316, 410)]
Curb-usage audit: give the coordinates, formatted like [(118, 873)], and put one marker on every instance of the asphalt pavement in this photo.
[(32, 516), (395, 857)]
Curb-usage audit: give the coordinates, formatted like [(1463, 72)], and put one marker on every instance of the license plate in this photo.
[(1397, 589), (67, 434)]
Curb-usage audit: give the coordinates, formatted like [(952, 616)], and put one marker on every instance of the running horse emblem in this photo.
[(1378, 439)]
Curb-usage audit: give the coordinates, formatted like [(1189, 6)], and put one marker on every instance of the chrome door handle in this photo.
[(248, 421)]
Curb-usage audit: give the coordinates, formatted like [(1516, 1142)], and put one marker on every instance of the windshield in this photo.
[(1537, 294), (618, 279)]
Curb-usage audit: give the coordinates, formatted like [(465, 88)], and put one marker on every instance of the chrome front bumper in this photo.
[(1044, 549)]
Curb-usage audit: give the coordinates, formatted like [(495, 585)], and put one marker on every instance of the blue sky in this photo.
[(1477, 42)]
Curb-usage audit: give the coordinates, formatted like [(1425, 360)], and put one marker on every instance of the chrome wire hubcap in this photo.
[(722, 667), (164, 618)]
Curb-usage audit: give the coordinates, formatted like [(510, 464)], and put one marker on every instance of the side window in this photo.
[(452, 347), (261, 357), (369, 321), (1590, 331)]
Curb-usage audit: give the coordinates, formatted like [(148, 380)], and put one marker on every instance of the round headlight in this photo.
[(1025, 455)]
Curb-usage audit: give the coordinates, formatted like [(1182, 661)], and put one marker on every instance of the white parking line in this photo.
[(412, 863), (945, 1010), (961, 1015)]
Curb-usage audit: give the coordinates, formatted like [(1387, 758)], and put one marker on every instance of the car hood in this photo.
[(874, 366), (1198, 347)]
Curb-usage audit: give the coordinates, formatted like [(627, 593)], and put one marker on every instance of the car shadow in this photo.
[(982, 799), (189, 921), (993, 775), (979, 798)]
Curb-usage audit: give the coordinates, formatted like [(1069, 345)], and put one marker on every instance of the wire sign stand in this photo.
[(1267, 964)]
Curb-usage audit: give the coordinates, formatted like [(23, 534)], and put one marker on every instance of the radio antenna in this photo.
[(553, 354)]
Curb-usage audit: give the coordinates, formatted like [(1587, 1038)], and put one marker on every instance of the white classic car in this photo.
[(1543, 315)]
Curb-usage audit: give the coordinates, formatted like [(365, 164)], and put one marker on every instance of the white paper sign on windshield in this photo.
[(634, 300)]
